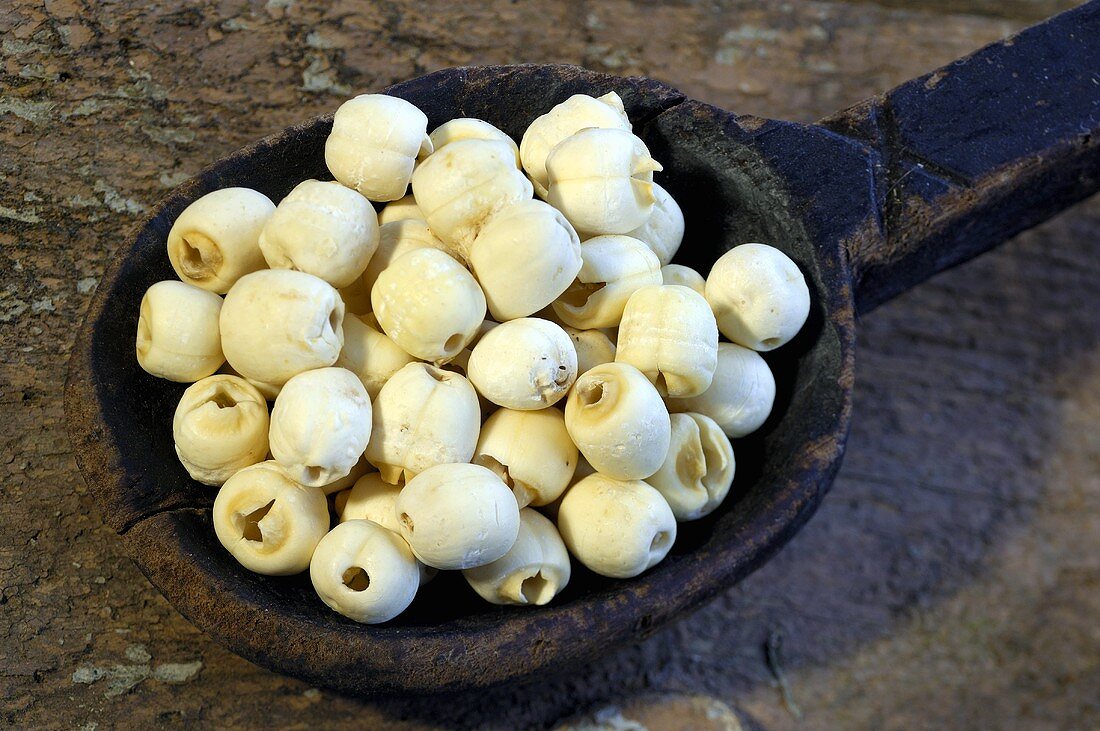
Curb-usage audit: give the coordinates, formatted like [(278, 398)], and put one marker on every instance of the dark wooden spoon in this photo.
[(868, 202)]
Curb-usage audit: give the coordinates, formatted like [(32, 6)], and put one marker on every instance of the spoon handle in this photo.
[(967, 156)]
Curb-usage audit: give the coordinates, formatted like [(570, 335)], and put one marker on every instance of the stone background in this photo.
[(952, 578)]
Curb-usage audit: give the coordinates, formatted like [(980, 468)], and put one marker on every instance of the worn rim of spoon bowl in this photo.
[(163, 518)]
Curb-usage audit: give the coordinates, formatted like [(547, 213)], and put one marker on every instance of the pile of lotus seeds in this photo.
[(472, 379)]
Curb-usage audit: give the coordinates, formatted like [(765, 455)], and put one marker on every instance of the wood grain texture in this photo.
[(974, 152), (950, 579)]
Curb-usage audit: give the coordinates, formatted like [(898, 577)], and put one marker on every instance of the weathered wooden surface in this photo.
[(974, 152), (952, 578)]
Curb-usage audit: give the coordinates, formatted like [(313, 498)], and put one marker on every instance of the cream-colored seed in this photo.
[(402, 209), (583, 470), (530, 451), (220, 426), (463, 185), (669, 334), (663, 231), (277, 323), (458, 516), (698, 471), (618, 422), (356, 297), (395, 239), (374, 499), (524, 258), (361, 468), (740, 396), (370, 354), (268, 390), (324, 229), (423, 416), (320, 425), (460, 364), (524, 364), (178, 335), (374, 144), (533, 571), (428, 304), (370, 321), (684, 276), (593, 348), (564, 120), (216, 240), (612, 269), (467, 128), (616, 528), (602, 180), (339, 500), (759, 296), (365, 572), (269, 522)]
